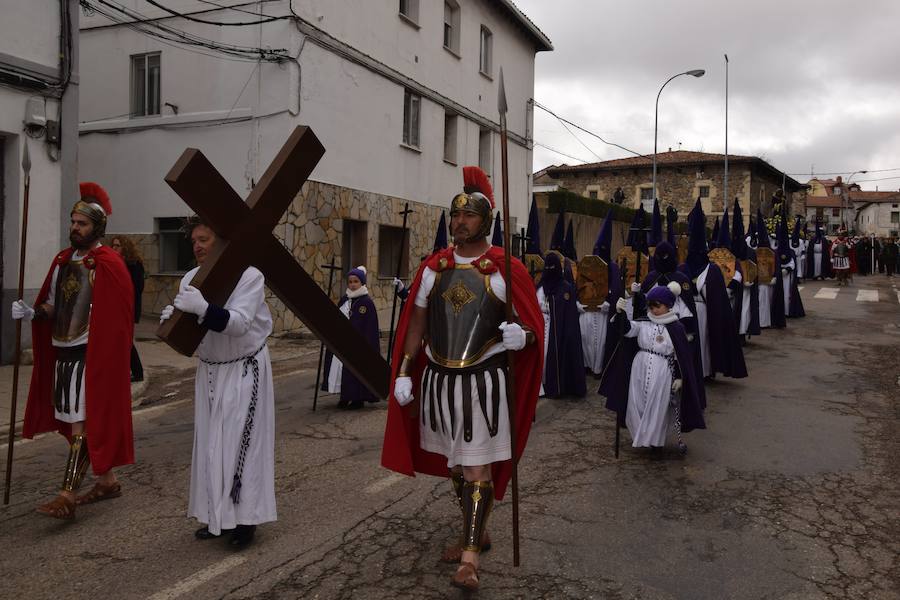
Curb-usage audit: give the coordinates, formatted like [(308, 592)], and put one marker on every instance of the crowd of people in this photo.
[(652, 336)]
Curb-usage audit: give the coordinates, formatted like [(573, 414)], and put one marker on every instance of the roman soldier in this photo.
[(82, 328), (840, 259), (451, 358)]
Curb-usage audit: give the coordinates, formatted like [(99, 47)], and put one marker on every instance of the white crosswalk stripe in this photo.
[(827, 293), (867, 296)]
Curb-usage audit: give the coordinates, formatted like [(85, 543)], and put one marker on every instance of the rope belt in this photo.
[(666, 356), (250, 362)]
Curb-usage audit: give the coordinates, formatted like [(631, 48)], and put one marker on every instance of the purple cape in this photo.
[(827, 273), (564, 365), (795, 307), (615, 382), (753, 327), (364, 319), (724, 343)]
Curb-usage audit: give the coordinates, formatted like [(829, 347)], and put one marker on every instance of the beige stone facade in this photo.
[(312, 228), (681, 177)]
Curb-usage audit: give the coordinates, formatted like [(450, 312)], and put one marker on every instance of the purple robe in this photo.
[(615, 382), (564, 365), (364, 319)]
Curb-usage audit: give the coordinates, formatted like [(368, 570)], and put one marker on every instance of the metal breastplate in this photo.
[(463, 316), (72, 303)]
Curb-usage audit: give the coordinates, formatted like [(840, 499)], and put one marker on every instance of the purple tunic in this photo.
[(364, 319)]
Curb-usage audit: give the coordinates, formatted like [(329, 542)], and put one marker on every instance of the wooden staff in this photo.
[(17, 358), (405, 212), (331, 269), (507, 276)]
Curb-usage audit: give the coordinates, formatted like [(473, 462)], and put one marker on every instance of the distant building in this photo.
[(877, 213), (38, 107), (402, 95), (682, 177)]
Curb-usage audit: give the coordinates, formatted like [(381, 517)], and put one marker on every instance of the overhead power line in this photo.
[(267, 19), (581, 160), (587, 131), (848, 171)]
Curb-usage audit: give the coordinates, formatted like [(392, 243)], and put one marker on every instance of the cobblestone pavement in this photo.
[(792, 493)]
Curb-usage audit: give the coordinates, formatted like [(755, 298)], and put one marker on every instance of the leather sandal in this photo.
[(453, 554), (58, 508), (466, 577), (100, 492)]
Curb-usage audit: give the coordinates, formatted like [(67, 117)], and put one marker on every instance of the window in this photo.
[(836, 190), (592, 194), (354, 244), (820, 212), (411, 106), (145, 84), (393, 245), (703, 191), (486, 51), (175, 252), (450, 120), (484, 150), (409, 9), (835, 212), (895, 217), (451, 26), (647, 198)]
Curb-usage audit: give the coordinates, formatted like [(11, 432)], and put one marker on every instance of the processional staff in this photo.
[(405, 212), (331, 269)]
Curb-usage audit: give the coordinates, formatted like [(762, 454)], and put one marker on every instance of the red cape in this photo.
[(107, 385), (401, 451)]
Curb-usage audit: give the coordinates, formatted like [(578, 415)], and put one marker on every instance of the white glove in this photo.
[(398, 285), (621, 304), (774, 281), (690, 337), (580, 307), (20, 310), (784, 272), (676, 386), (191, 301), (403, 390), (166, 313), (635, 287), (604, 308), (513, 336)]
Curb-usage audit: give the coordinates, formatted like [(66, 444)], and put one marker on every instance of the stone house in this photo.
[(682, 176), (401, 94)]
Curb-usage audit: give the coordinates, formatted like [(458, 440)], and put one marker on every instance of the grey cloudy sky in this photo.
[(811, 82)]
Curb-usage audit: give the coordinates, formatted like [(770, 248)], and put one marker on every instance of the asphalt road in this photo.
[(793, 492)]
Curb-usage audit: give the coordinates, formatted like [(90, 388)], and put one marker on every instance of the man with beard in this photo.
[(233, 465), (451, 356), (82, 388)]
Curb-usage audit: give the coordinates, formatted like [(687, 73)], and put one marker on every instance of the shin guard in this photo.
[(477, 500), (76, 466), (457, 480)]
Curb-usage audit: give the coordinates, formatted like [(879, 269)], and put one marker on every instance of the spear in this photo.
[(507, 276), (17, 358)]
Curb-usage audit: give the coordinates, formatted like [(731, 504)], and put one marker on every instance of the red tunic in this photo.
[(401, 451), (107, 385)]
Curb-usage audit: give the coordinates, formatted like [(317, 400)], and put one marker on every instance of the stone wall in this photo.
[(312, 228)]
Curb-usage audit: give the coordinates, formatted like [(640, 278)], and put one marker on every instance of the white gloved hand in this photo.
[(403, 390), (784, 272), (166, 313), (191, 300), (676, 386), (774, 281), (604, 308), (20, 310), (621, 304), (513, 336), (580, 307), (398, 285), (690, 337), (635, 287)]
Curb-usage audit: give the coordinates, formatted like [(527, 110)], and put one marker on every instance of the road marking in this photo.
[(867, 296), (191, 583), (827, 293), (381, 484)]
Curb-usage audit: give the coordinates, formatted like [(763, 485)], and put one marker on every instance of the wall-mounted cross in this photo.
[(246, 236)]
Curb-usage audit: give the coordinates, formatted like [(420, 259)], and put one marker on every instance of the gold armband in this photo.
[(405, 366)]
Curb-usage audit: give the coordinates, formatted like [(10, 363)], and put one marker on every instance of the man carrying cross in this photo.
[(233, 465), (451, 356)]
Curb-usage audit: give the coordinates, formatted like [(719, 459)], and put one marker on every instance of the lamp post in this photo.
[(695, 73), (845, 197), (725, 198)]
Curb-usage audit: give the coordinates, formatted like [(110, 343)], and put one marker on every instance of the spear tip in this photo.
[(26, 160), (501, 96)]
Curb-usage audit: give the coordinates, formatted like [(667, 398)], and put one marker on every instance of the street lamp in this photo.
[(845, 197), (693, 72)]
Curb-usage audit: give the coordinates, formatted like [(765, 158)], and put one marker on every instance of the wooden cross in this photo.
[(245, 232), (522, 240)]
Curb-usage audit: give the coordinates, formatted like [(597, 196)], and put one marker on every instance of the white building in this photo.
[(38, 106), (402, 94), (878, 213)]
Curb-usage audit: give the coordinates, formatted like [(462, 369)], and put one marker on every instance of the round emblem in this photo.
[(362, 310), (89, 262), (566, 296), (442, 263), (685, 286), (485, 263)]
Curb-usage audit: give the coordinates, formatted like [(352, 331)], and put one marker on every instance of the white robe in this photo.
[(223, 397), (337, 367), (818, 250), (594, 325), (787, 282), (649, 390), (800, 251), (744, 327), (702, 327)]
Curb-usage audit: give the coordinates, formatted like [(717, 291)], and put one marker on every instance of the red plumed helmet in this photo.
[(92, 192), (475, 180)]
